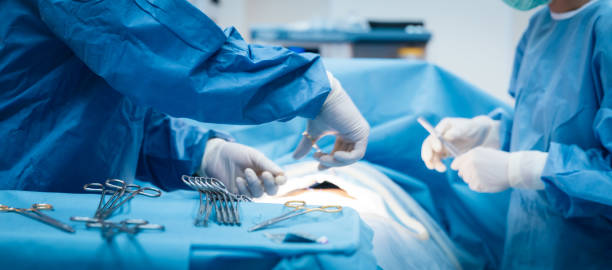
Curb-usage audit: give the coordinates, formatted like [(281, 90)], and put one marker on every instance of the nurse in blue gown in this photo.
[(91, 90), (555, 151)]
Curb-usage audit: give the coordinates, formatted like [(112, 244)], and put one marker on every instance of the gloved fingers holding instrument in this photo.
[(339, 117), (463, 133), (242, 169)]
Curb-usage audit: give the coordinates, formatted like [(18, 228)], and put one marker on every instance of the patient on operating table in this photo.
[(404, 235)]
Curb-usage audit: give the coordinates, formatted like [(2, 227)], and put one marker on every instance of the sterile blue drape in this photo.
[(391, 94)]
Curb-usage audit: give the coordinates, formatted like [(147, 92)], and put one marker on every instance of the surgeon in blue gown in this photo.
[(91, 90), (555, 152)]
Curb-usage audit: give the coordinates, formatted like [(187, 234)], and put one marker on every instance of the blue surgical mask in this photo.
[(525, 4)]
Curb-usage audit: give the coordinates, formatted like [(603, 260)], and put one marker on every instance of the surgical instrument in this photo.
[(450, 147), (313, 141), (299, 208), (204, 188), (33, 212), (213, 193), (110, 229), (123, 193)]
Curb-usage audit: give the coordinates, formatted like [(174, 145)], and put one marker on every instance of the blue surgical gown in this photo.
[(562, 83), (91, 90)]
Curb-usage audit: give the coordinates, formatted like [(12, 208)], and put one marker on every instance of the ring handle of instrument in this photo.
[(295, 204)]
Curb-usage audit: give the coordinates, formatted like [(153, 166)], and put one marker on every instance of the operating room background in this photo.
[(473, 39)]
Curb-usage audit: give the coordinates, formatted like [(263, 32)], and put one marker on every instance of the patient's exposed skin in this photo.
[(324, 186), (390, 217), (560, 6)]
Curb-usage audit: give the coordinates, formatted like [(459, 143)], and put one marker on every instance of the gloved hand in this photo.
[(490, 170), (242, 169), (464, 134), (339, 117)]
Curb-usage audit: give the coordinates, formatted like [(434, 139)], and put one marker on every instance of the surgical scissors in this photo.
[(299, 208), (33, 212)]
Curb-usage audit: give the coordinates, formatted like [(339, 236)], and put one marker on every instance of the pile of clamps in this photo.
[(121, 194), (214, 194)]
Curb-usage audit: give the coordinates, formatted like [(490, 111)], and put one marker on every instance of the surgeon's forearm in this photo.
[(578, 180), (171, 147), (171, 57)]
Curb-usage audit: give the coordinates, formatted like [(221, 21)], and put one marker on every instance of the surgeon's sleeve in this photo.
[(168, 55), (171, 147), (579, 181)]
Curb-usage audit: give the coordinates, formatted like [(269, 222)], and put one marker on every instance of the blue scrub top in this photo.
[(91, 90), (562, 82)]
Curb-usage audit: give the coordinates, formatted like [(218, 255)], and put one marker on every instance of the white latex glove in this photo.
[(242, 169), (490, 170), (339, 117), (464, 134)]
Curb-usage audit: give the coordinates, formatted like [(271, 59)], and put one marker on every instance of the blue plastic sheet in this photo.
[(391, 94), (28, 244)]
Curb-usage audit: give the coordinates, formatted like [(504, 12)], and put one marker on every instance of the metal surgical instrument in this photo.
[(313, 141), (451, 148), (122, 193), (35, 214), (299, 208), (110, 229), (213, 193)]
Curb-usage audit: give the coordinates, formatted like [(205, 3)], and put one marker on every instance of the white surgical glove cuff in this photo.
[(484, 169), (525, 169), (210, 154)]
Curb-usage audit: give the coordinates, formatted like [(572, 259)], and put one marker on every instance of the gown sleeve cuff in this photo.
[(578, 181), (505, 127), (525, 169)]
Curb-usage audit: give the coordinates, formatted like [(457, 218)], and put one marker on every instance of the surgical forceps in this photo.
[(122, 193), (299, 208), (451, 148), (110, 229), (315, 146), (213, 193), (33, 212)]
